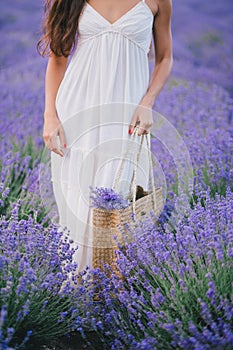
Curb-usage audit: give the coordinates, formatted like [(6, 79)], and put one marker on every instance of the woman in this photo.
[(109, 65)]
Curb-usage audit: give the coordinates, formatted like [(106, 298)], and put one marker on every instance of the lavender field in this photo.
[(177, 285)]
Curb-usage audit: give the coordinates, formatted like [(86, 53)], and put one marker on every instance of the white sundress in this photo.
[(104, 82)]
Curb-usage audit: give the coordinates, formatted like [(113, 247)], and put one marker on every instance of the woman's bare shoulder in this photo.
[(162, 4), (158, 6)]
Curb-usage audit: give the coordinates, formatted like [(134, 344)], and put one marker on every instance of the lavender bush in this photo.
[(19, 178), (38, 302), (177, 286)]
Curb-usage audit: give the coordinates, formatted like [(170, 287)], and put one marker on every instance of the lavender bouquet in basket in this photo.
[(108, 206), (107, 198)]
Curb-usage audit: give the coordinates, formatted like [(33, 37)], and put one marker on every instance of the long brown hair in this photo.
[(60, 27)]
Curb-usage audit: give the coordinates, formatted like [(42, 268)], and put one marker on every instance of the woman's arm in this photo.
[(163, 64), (52, 126), (163, 51)]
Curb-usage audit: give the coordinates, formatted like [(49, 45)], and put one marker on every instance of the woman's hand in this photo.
[(52, 129), (142, 116)]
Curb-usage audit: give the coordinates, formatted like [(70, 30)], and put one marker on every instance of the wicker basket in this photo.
[(105, 228), (108, 225)]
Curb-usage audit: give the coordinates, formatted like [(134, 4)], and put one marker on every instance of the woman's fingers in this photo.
[(62, 136), (54, 146), (52, 130), (51, 143), (133, 123), (142, 116), (143, 130)]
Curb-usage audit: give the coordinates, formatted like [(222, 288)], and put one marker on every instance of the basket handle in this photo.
[(134, 178), (117, 178)]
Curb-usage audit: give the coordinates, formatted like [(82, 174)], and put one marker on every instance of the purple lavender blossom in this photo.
[(107, 198)]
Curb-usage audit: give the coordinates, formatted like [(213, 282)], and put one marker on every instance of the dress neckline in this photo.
[(124, 14)]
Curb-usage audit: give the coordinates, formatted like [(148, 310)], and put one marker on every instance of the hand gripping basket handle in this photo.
[(134, 178)]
